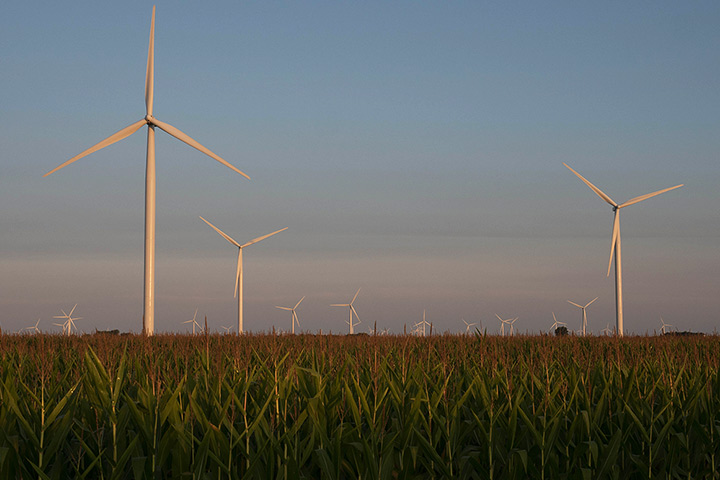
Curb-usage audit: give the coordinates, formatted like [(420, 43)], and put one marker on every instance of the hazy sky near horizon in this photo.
[(413, 149)]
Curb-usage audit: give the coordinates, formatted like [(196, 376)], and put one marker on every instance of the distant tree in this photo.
[(561, 331)]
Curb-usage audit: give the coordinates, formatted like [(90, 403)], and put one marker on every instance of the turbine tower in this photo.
[(151, 122), (350, 322), (239, 274), (584, 315), (293, 315), (615, 243)]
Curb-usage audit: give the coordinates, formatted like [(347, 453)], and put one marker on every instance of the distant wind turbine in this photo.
[(293, 315), (227, 329), (69, 322), (615, 244), (468, 325), (508, 322), (34, 328), (239, 274), (422, 325), (584, 315), (151, 122), (556, 324), (194, 322), (663, 329), (350, 322), (607, 331)]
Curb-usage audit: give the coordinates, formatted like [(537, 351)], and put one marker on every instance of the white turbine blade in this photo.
[(356, 294), (616, 232), (591, 301), (595, 189), (295, 317), (71, 311), (190, 321), (355, 312), (195, 315), (185, 138), (498, 316), (224, 235), (648, 195), (256, 240), (339, 304), (296, 305), (579, 306), (284, 308), (115, 137), (237, 273), (554, 318), (150, 71)]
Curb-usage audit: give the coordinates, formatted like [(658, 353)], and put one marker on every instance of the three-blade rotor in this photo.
[(148, 119), (617, 207)]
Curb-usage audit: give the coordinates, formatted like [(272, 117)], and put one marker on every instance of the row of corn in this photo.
[(392, 407)]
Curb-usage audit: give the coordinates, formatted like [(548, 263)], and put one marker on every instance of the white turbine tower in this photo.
[(293, 315), (350, 322), (194, 322), (663, 329), (239, 274), (556, 324), (615, 244), (69, 322), (584, 315), (151, 122)]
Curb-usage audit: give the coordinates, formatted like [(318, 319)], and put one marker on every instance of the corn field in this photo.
[(363, 407)]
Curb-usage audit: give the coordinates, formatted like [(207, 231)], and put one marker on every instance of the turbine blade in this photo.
[(595, 189), (579, 306), (648, 195), (591, 301), (185, 138), (356, 294), (339, 304), (355, 312), (284, 308), (296, 318), (498, 316), (296, 305), (224, 235), (115, 137), (237, 274), (150, 71), (256, 240), (73, 309), (616, 232)]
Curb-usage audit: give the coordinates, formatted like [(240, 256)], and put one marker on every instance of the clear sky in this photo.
[(413, 149)]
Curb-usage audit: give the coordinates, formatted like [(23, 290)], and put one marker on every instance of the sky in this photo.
[(413, 149)]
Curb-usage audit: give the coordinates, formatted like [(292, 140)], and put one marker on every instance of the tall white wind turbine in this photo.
[(468, 325), (151, 122), (615, 244), (584, 315), (293, 315), (34, 328), (508, 322), (239, 274), (69, 322), (350, 322), (663, 329), (194, 322)]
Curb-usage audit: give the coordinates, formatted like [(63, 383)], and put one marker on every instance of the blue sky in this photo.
[(413, 149)]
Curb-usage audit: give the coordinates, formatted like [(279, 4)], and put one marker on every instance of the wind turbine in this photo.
[(468, 325), (606, 331), (34, 328), (664, 326), (584, 315), (556, 324), (194, 322), (227, 329), (239, 274), (293, 316), (422, 325), (69, 322), (350, 322), (615, 244), (151, 122), (509, 322)]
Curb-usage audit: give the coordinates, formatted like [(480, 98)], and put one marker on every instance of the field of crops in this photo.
[(360, 407)]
